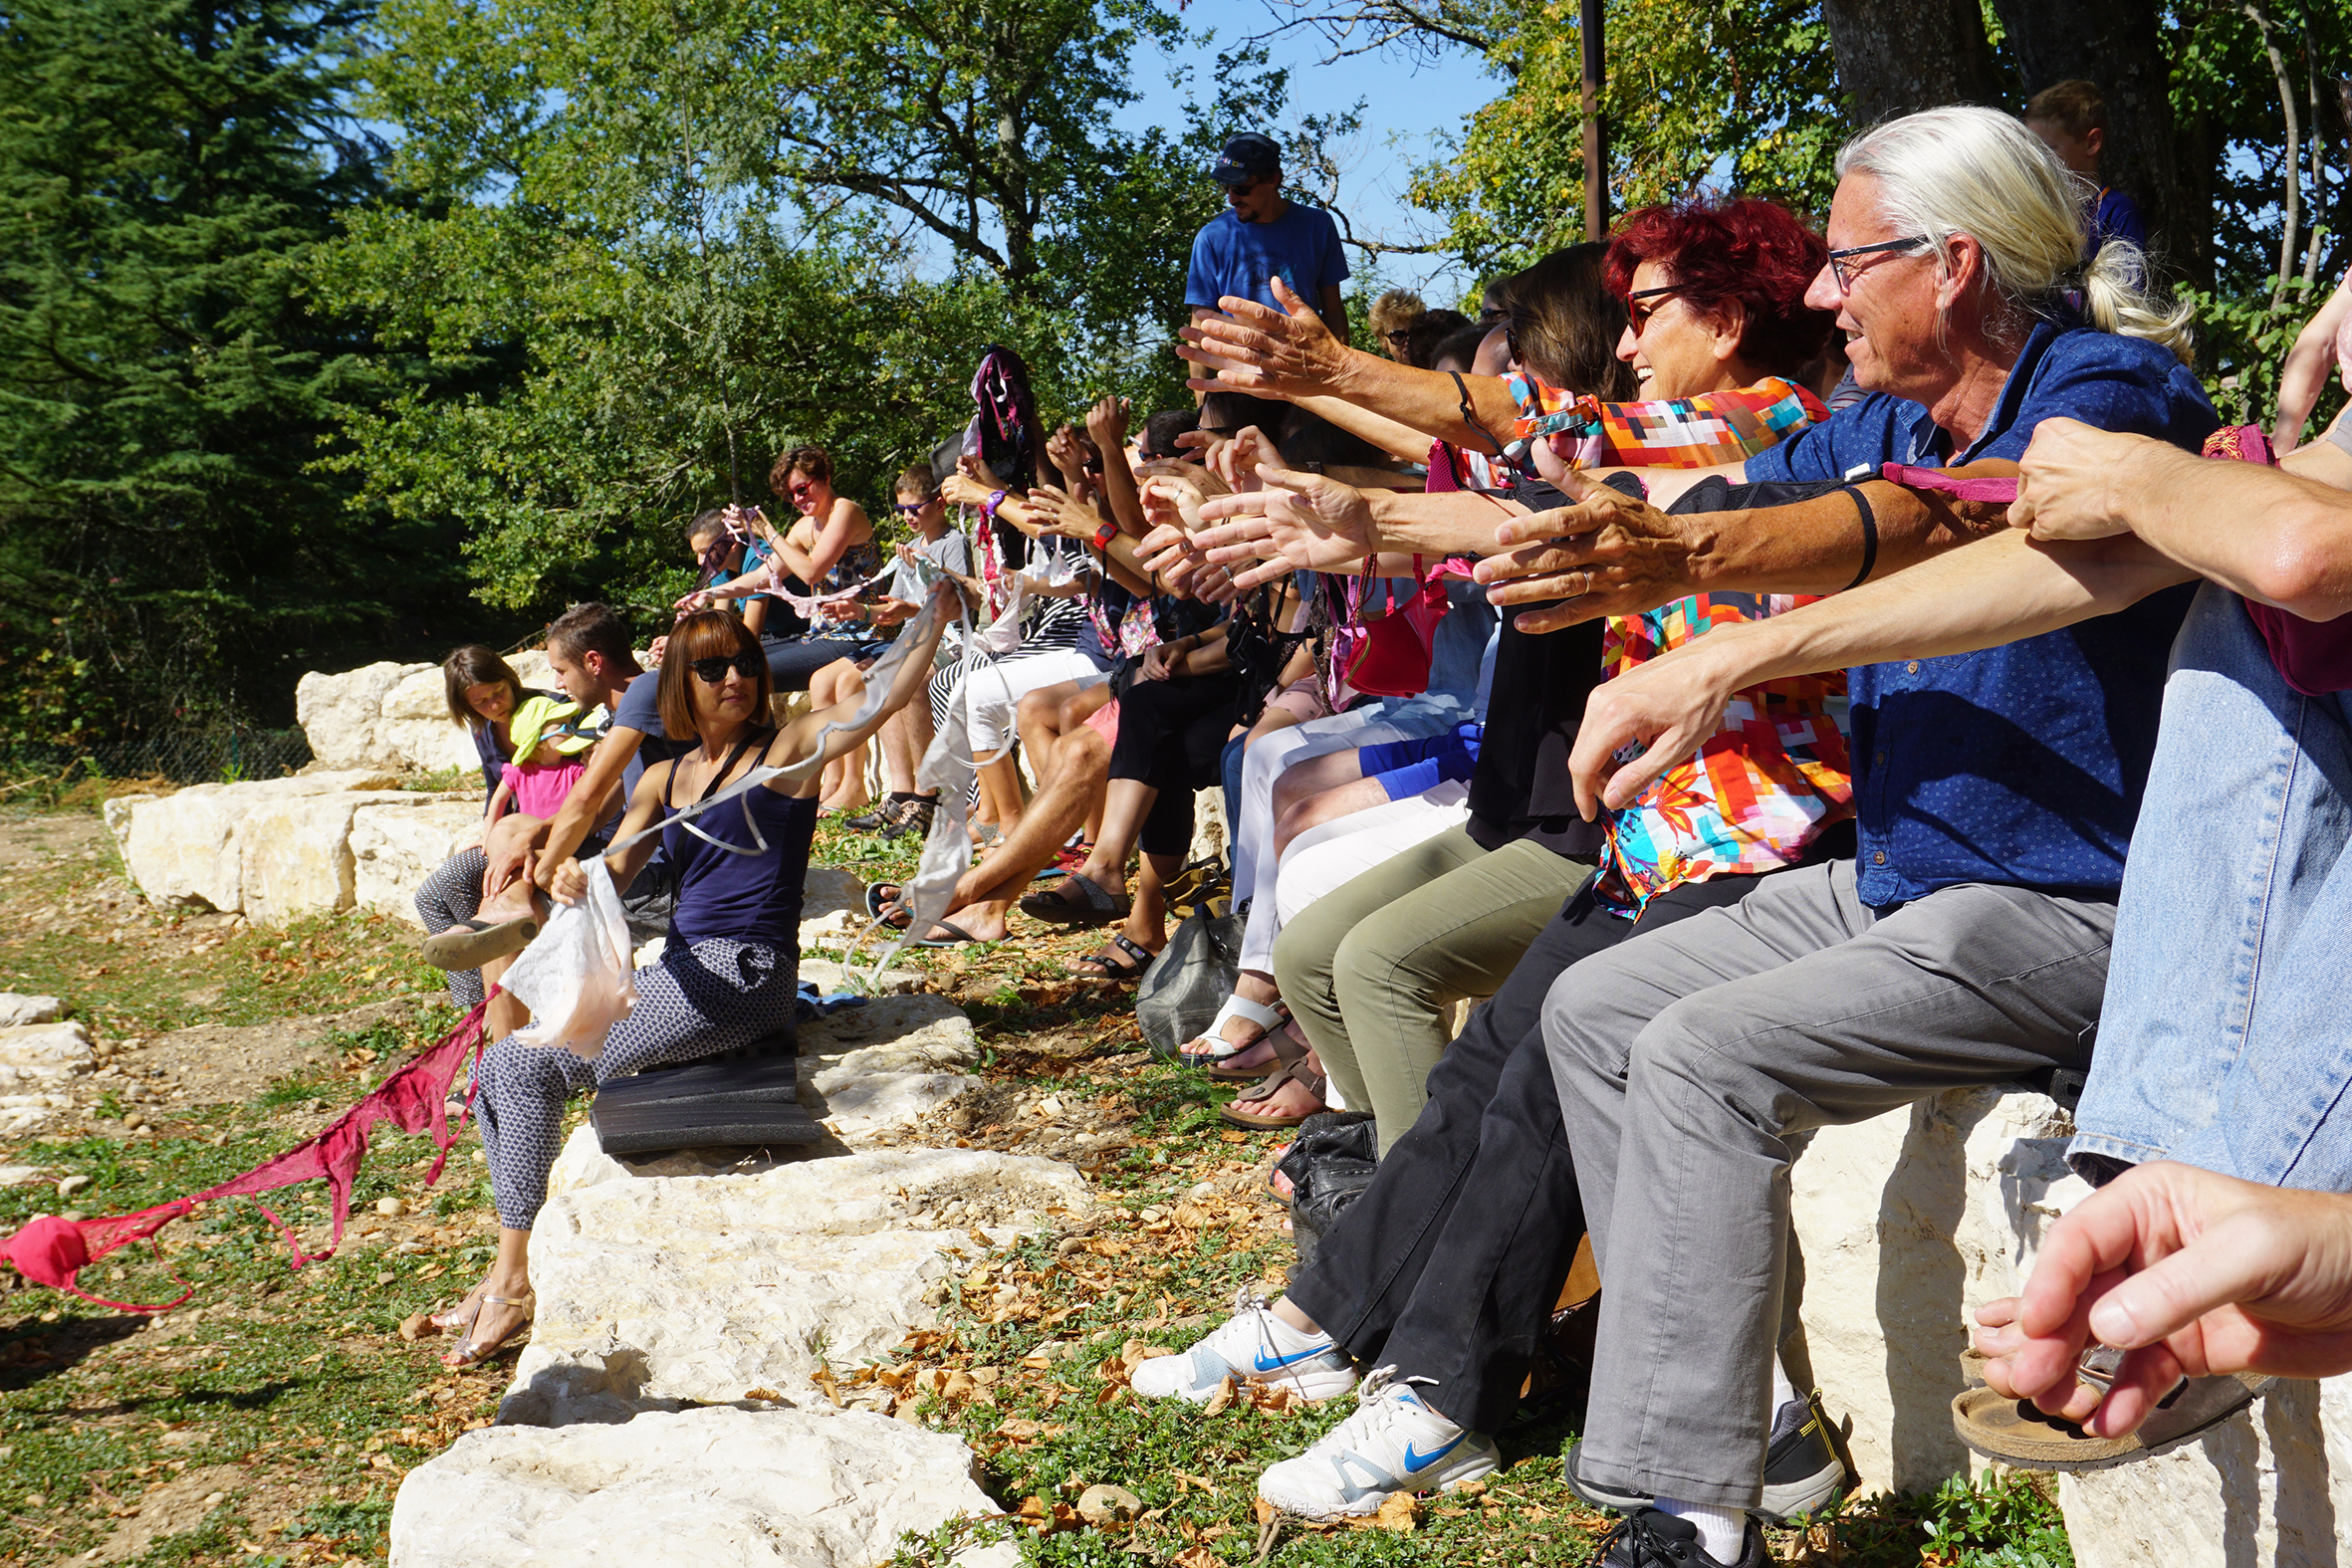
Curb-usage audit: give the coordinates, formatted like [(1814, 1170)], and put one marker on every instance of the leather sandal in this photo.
[(470, 944), (1240, 1114), (1210, 1048), (2018, 1433), (1073, 901), (1286, 1049), (1107, 966)]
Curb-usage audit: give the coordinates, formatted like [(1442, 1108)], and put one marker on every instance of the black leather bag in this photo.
[(1331, 1160), (1180, 994)]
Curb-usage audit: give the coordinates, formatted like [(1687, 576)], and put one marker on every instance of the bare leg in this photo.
[(1315, 775), (1000, 794), (985, 895), (1329, 806), (510, 1276), (906, 736), (1125, 803), (843, 789)]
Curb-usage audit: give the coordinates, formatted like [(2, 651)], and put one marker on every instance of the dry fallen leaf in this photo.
[(1399, 1511), (1221, 1401)]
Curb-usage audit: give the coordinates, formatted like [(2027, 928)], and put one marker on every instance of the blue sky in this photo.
[(1405, 107)]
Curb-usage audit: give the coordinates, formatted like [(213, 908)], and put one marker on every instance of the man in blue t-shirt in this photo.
[(1261, 236)]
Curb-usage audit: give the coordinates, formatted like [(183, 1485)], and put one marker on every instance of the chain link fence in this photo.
[(222, 756)]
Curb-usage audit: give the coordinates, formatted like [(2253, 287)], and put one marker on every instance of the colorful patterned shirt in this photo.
[(1775, 774)]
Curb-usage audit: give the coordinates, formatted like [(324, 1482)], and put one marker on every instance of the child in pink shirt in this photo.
[(550, 758)]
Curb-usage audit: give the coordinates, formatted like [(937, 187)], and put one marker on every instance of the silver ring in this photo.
[(2100, 1366), (1588, 588)]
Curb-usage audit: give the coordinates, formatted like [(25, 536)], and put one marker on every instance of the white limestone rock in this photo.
[(343, 715), (414, 728), (655, 1293), (185, 849), (18, 1010), (39, 1057), (2270, 1487), (886, 1063), (396, 844), (700, 1488), (295, 855), (583, 1161), (1894, 1259)]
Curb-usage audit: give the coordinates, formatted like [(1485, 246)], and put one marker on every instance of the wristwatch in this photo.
[(1105, 535)]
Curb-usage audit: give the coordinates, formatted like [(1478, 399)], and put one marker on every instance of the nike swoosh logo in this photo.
[(1415, 1461), (1279, 1362)]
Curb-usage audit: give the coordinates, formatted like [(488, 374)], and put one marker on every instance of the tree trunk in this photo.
[(1898, 56), (2115, 44)]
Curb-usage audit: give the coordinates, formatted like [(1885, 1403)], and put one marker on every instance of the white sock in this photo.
[(1288, 1339), (1722, 1531), (1783, 1390)]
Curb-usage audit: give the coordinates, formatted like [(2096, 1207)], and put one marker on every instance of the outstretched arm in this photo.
[(565, 879), (801, 737)]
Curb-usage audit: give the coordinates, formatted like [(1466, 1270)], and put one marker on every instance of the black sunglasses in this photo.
[(714, 669), (910, 508)]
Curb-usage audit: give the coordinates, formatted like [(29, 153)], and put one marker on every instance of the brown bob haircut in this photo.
[(813, 461), (706, 634), (475, 665)]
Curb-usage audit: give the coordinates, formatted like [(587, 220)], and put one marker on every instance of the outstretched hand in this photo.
[(1604, 553), (2065, 481), (1297, 520), (1667, 708), (2193, 1275), (1286, 353)]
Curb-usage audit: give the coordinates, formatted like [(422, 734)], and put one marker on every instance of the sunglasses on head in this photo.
[(714, 669)]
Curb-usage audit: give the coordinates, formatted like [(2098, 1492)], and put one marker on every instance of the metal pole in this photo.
[(1596, 152)]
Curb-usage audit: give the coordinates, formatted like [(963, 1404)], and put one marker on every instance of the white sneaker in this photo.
[(1392, 1444), (1253, 1346)]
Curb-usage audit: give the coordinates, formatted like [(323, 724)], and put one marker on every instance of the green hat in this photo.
[(538, 714)]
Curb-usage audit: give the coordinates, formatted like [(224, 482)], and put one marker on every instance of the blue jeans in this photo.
[(2223, 1041)]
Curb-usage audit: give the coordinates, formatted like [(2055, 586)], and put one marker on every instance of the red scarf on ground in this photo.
[(52, 1251)]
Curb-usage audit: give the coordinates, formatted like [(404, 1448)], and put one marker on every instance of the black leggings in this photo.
[(1172, 737)]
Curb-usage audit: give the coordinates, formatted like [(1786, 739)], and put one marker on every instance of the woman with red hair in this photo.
[(1445, 1271)]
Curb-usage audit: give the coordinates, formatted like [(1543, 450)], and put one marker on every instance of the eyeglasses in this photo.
[(1845, 275), (1640, 314), (714, 669), (1401, 334)]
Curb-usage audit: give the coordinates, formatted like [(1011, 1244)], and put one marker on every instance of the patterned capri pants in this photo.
[(453, 892), (698, 1002)]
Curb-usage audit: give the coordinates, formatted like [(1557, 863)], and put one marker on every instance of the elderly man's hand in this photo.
[(2189, 1272), (1606, 553), (1667, 708), (1287, 352), (2065, 480)]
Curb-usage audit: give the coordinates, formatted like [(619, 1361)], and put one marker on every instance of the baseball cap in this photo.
[(1247, 157)]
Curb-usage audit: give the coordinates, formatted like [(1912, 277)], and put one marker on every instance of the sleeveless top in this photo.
[(746, 898)]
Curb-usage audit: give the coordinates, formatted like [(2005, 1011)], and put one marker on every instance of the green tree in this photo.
[(166, 167), (704, 231)]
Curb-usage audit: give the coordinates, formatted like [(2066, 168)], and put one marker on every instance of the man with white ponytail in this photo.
[(1995, 794)]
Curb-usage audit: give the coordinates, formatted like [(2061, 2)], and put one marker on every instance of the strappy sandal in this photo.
[(1090, 908), (2015, 1433), (472, 1352), (1105, 966), (1287, 1048), (470, 944), (1210, 1048), (1239, 1115), (460, 1315)]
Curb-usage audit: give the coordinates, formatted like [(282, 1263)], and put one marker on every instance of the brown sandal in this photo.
[(2015, 1433), (1297, 1072), (1285, 1051)]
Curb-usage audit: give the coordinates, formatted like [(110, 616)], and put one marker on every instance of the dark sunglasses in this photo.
[(714, 669), (1401, 334), (1640, 314), (907, 508)]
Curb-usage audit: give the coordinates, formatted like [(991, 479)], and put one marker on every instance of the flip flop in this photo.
[(1093, 907), (1117, 973), (470, 944), (957, 936), (886, 908), (2013, 1432), (1298, 1072)]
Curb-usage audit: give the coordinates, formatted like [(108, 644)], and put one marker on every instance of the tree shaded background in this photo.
[(335, 331)]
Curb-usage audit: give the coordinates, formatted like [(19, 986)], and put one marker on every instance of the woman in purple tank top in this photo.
[(727, 974)]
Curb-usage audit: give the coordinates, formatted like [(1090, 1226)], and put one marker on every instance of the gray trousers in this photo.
[(1686, 1058)]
